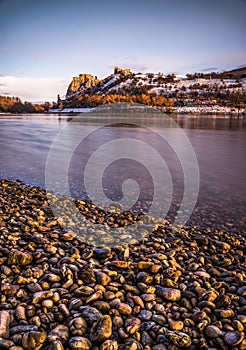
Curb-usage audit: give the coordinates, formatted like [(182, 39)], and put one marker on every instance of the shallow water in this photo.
[(219, 145)]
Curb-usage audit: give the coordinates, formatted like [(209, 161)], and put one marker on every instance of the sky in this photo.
[(44, 43)]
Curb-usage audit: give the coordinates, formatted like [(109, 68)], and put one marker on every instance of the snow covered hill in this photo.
[(222, 89)]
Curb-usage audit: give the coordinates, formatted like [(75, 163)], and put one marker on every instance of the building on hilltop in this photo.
[(118, 70), (82, 82)]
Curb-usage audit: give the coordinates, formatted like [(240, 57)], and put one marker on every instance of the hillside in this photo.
[(238, 73), (222, 89)]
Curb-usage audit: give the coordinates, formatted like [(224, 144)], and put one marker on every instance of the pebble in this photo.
[(102, 278), (242, 318), (234, 338), (242, 291), (175, 325), (170, 294), (20, 313), (213, 332), (145, 315), (80, 343), (179, 339), (6, 344), (132, 344), (17, 257), (39, 296), (56, 345), (171, 290), (228, 313), (102, 329), (4, 324), (222, 301), (102, 252), (23, 329), (78, 326), (109, 345), (90, 314), (132, 324), (159, 347), (33, 340), (60, 333), (124, 309)]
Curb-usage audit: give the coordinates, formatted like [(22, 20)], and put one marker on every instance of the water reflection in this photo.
[(219, 143), (210, 123)]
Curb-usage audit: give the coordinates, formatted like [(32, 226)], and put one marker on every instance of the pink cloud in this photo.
[(33, 89)]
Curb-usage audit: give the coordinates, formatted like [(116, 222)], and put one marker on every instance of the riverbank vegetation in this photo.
[(15, 105)]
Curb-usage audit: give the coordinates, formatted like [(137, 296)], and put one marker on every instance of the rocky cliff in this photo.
[(87, 81), (81, 83)]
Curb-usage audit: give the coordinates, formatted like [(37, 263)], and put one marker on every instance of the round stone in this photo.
[(233, 338)]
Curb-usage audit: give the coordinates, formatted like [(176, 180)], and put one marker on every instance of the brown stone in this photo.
[(102, 329)]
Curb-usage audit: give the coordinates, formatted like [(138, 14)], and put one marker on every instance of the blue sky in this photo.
[(44, 43)]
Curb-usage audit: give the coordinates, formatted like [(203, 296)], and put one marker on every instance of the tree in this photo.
[(17, 107), (29, 108)]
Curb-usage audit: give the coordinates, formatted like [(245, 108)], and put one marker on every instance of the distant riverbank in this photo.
[(196, 110), (208, 110), (226, 112)]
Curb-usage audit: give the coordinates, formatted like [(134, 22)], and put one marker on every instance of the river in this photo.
[(219, 145)]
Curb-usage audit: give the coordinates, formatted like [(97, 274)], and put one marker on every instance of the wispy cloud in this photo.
[(5, 49), (33, 89), (210, 69)]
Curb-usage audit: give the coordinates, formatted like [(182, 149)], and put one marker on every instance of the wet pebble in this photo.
[(4, 324), (17, 257), (80, 343), (179, 339), (173, 289), (33, 340), (60, 333), (234, 338), (102, 329), (213, 331), (170, 294)]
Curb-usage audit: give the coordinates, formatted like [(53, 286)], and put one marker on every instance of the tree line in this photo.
[(15, 105), (87, 100)]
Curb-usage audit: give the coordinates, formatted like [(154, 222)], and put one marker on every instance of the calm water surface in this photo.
[(219, 144)]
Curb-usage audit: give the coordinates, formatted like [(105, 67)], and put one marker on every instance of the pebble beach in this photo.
[(167, 291)]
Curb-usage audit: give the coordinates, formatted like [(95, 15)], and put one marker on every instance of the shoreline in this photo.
[(211, 110), (224, 112), (186, 110), (176, 290)]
